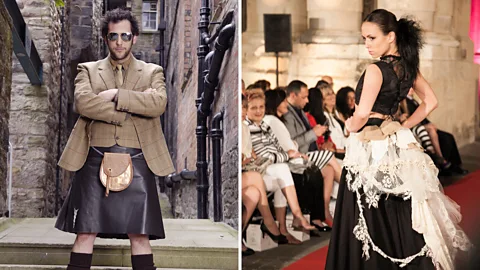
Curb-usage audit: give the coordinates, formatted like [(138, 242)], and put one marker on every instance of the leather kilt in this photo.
[(135, 210)]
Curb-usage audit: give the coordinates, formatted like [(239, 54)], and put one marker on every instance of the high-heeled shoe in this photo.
[(280, 239), (300, 227), (248, 252), (325, 228)]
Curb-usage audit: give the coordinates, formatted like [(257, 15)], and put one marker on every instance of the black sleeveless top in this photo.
[(394, 87)]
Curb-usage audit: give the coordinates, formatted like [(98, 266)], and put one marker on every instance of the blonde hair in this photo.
[(254, 93), (325, 88)]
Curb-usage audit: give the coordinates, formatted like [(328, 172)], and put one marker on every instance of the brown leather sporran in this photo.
[(116, 171)]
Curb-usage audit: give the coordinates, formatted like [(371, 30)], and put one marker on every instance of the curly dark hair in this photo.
[(117, 15)]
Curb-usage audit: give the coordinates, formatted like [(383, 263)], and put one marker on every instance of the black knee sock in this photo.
[(143, 262), (79, 261)]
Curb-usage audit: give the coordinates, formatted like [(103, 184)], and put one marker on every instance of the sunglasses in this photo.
[(124, 36)]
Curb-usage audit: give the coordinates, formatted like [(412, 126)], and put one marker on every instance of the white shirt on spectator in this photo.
[(281, 132), (336, 131), (246, 141)]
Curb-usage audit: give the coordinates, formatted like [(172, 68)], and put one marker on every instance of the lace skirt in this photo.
[(391, 211)]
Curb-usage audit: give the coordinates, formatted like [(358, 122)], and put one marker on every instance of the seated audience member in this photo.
[(262, 84), (276, 107), (345, 103), (324, 141), (249, 88), (254, 194), (250, 200), (328, 79), (443, 142), (299, 128), (321, 83), (280, 88), (337, 132), (277, 174)]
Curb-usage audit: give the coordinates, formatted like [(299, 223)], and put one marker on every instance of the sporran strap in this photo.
[(100, 153)]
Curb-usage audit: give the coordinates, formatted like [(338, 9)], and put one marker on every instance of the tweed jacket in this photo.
[(297, 130), (144, 109)]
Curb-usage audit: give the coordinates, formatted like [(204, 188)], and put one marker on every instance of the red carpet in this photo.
[(466, 192)]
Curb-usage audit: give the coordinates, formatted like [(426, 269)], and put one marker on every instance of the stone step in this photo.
[(190, 243), (57, 267)]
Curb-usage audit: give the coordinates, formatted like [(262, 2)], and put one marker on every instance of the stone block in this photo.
[(85, 21), (85, 11), (35, 91), (29, 103), (38, 22), (444, 7), (328, 51), (442, 24), (407, 5), (78, 33), (347, 5), (35, 11), (335, 20), (32, 155), (35, 3)]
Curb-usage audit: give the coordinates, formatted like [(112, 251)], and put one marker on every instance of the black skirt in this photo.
[(389, 225), (135, 210)]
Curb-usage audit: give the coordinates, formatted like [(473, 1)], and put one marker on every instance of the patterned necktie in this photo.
[(118, 76)]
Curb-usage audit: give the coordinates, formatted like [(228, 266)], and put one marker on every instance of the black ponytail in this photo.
[(409, 43)]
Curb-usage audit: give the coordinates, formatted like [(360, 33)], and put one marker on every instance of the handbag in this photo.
[(259, 165)]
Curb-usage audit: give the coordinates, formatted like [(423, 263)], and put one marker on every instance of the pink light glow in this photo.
[(475, 29)]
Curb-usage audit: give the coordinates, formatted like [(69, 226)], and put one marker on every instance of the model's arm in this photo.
[(92, 106), (149, 103), (430, 102), (371, 87)]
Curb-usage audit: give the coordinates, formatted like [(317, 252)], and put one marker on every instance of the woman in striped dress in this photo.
[(276, 107), (278, 173)]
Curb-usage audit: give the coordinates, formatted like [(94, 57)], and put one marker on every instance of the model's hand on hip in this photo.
[(108, 95)]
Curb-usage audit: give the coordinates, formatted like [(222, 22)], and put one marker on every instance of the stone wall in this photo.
[(228, 101), (148, 40), (34, 116), (327, 41), (181, 76), (86, 41), (6, 44), (83, 43)]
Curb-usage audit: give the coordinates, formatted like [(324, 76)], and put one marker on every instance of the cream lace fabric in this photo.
[(388, 160)]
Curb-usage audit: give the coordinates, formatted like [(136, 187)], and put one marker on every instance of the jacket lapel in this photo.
[(105, 71), (292, 111), (133, 74)]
